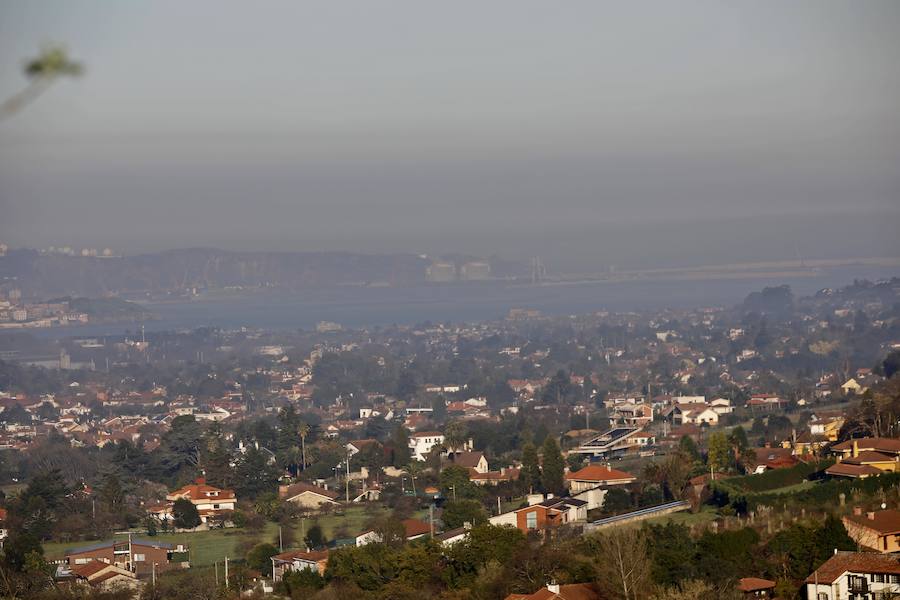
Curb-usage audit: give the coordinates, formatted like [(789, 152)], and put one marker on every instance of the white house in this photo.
[(421, 443), (852, 575)]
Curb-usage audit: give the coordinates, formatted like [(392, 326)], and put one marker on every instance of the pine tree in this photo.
[(530, 475), (553, 468)]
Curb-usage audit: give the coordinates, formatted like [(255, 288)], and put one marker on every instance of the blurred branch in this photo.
[(50, 65)]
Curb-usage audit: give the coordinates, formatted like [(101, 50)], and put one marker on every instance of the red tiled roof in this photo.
[(754, 584), (854, 562), (302, 555), (889, 445), (415, 527), (89, 568), (599, 473), (572, 591), (847, 470), (295, 489), (467, 459), (883, 521)]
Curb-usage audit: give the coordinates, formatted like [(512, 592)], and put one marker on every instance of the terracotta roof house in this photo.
[(772, 458), (505, 474), (470, 460), (854, 575), (850, 448), (209, 500), (299, 560), (593, 476), (754, 587), (865, 457), (106, 576), (877, 530), (554, 591), (307, 495), (413, 529)]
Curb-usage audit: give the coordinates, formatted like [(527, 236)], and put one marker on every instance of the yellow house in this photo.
[(879, 530)]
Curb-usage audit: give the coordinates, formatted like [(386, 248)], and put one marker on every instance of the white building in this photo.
[(855, 575), (421, 443)]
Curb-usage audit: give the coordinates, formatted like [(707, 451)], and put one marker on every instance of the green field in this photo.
[(208, 547), (706, 515)]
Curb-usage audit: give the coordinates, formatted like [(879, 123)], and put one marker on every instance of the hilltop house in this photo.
[(853, 575), (593, 476), (209, 500), (421, 443), (298, 560), (133, 555), (865, 457), (878, 530), (306, 495)]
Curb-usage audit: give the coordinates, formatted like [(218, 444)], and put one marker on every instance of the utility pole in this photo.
[(154, 575), (431, 518), (498, 505), (280, 543), (348, 476), (226, 571), (216, 564)]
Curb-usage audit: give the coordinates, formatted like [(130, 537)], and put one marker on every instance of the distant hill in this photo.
[(202, 268)]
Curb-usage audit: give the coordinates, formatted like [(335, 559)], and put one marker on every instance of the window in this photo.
[(82, 561), (139, 558), (531, 520), (215, 506), (895, 578), (878, 578), (822, 596)]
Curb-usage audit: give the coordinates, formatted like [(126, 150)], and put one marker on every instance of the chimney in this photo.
[(857, 510), (201, 481), (870, 515), (282, 491), (553, 588), (855, 449)]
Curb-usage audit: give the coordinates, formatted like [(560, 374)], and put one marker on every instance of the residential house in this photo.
[(299, 560), (767, 459), (754, 587), (630, 414), (876, 530), (550, 513), (695, 413), (826, 425), (555, 591), (307, 496), (505, 474), (855, 576), (595, 475), (134, 555), (209, 500), (865, 457), (413, 530), (104, 576), (470, 460), (421, 443)]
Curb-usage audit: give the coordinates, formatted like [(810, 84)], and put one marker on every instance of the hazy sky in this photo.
[(435, 126)]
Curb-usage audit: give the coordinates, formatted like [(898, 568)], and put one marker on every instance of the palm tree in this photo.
[(303, 430), (50, 65), (414, 469)]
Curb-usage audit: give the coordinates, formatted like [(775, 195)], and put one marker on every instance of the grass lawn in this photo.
[(706, 515), (206, 547), (789, 489)]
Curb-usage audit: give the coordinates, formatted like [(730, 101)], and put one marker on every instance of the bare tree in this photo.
[(49, 66), (695, 589), (622, 563)]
